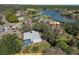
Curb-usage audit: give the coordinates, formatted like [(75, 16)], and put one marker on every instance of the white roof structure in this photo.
[(33, 36), (21, 18)]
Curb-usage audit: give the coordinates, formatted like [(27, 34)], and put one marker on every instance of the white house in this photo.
[(31, 37), (21, 18)]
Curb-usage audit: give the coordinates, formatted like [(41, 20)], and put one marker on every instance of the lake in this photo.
[(56, 16)]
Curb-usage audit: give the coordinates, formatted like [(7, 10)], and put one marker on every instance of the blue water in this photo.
[(56, 16)]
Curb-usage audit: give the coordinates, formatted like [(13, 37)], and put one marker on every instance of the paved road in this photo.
[(10, 31)]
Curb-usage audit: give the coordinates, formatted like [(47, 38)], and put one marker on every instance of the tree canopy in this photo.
[(10, 17), (10, 44)]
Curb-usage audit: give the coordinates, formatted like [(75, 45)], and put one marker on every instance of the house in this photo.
[(19, 13), (21, 18), (31, 37), (29, 21), (54, 24)]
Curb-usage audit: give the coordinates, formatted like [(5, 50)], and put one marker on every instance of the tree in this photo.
[(72, 42), (10, 16), (10, 44), (12, 19), (78, 44), (72, 29), (64, 46), (50, 37), (1, 22), (25, 27), (42, 27), (34, 49), (48, 33), (40, 47), (43, 46), (54, 51), (37, 47)]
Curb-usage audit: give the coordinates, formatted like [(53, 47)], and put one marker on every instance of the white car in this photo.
[(6, 28), (14, 27)]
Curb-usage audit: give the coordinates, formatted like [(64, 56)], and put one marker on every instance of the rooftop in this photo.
[(33, 36)]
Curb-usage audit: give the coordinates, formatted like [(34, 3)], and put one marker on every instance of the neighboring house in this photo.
[(54, 24), (50, 22), (28, 21), (31, 37), (21, 18), (20, 13)]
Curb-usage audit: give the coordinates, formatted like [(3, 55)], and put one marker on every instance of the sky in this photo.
[(40, 2)]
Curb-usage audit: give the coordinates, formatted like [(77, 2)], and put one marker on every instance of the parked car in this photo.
[(6, 28), (14, 27)]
